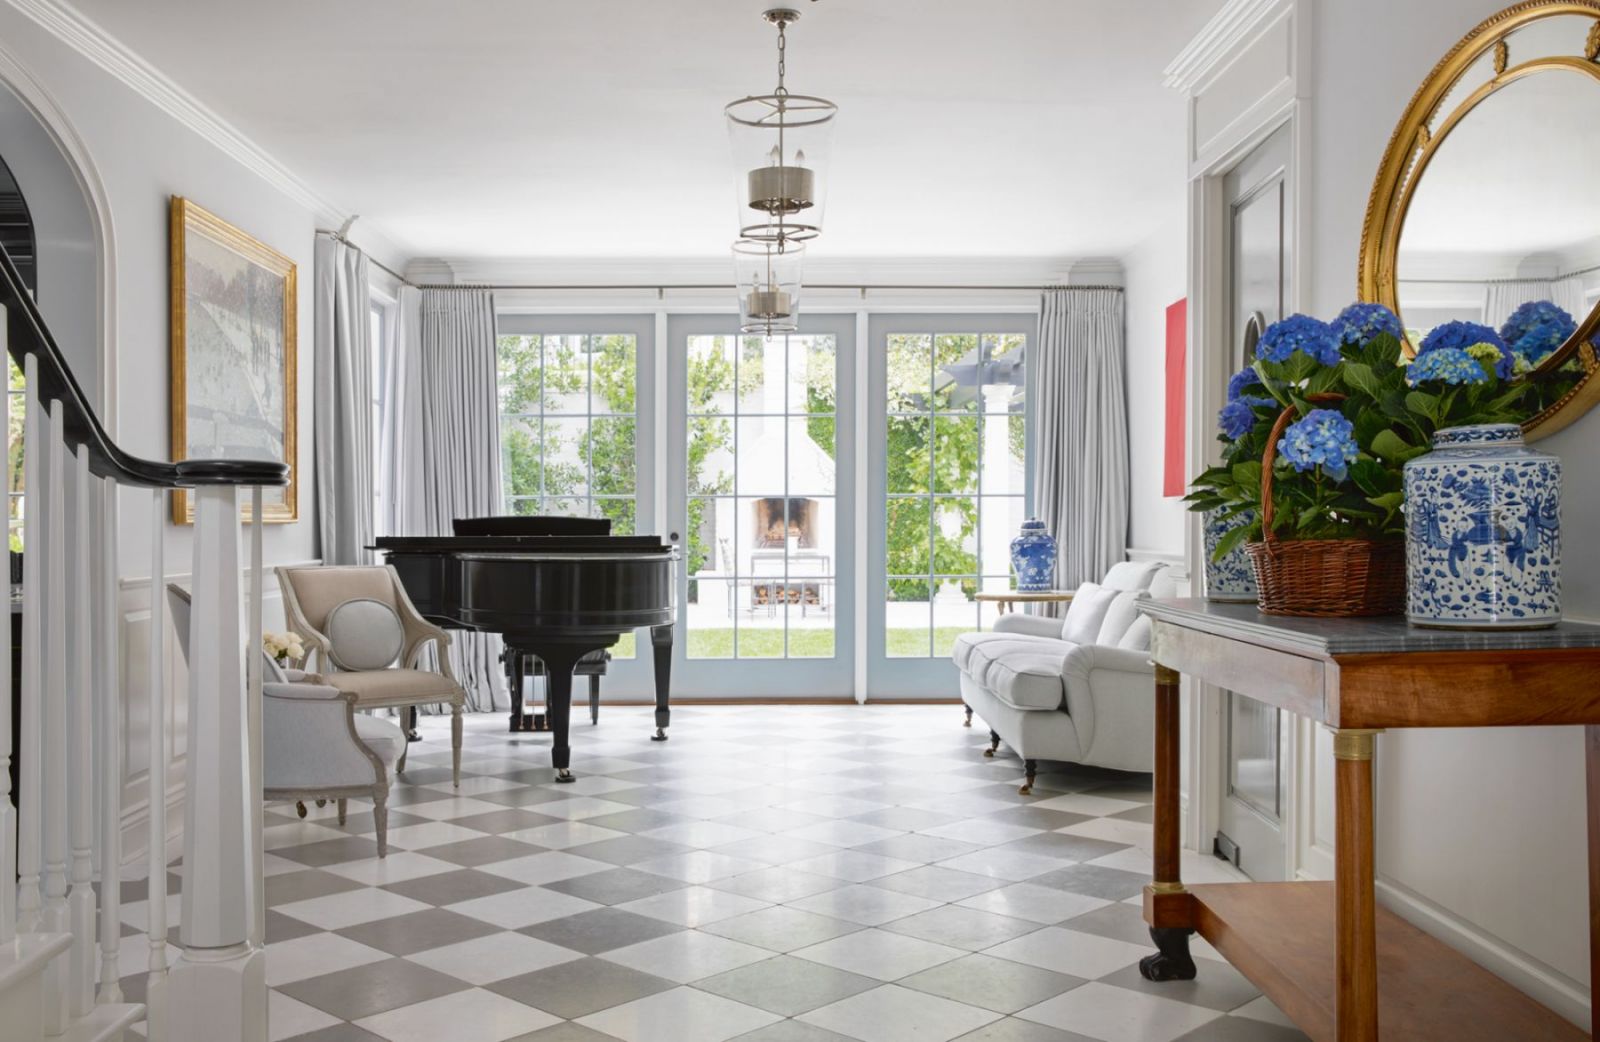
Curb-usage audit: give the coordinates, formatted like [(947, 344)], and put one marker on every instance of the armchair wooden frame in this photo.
[(418, 635)]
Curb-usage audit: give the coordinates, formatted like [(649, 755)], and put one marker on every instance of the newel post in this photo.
[(218, 986)]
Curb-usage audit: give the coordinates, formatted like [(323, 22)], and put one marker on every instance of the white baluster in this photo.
[(80, 900), (55, 720), (111, 752), (156, 991), (253, 669), (8, 816), (219, 988), (30, 778)]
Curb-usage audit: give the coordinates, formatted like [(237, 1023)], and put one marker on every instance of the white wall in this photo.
[(143, 156), (1156, 276), (1486, 827), (68, 279)]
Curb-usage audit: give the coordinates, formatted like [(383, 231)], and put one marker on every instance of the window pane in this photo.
[(612, 455), (956, 364), (908, 618), (908, 536), (521, 457), (910, 454), (568, 433), (566, 374), (710, 455), (910, 372), (956, 453)]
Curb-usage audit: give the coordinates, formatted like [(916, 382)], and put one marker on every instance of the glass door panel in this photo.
[(763, 494), (949, 486)]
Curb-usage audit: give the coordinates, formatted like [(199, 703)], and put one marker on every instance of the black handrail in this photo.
[(26, 333)]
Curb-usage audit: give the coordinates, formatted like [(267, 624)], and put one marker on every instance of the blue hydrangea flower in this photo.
[(1462, 335), (1541, 341), (1359, 324), (1238, 417), (1535, 313), (1322, 438), (1242, 381), (1300, 333), (1450, 365)]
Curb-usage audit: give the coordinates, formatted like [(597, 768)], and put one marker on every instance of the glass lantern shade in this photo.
[(768, 276), (781, 145)]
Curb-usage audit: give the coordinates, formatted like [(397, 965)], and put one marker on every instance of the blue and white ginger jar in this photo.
[(1033, 557), (1232, 579), (1483, 532)]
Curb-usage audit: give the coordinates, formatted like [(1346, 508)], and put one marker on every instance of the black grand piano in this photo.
[(558, 588)]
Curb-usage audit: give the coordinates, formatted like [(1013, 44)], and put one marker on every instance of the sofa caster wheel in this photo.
[(988, 752), (968, 721), (1030, 770), (563, 776), (660, 735), (1173, 961), (1025, 790), (994, 744), (300, 808), (322, 803)]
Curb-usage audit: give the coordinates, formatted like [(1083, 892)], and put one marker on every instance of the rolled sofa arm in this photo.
[(1030, 625), (309, 739), (1110, 697)]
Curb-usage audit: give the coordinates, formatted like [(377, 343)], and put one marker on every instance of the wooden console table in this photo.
[(1339, 966)]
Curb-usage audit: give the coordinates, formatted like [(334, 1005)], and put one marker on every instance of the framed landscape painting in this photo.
[(233, 353)]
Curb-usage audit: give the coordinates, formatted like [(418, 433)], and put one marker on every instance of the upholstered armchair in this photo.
[(315, 746), (368, 639)]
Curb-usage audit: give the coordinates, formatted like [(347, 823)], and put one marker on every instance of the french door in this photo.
[(948, 488), (760, 480)]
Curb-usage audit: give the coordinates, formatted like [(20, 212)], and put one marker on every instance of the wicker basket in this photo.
[(1326, 578)]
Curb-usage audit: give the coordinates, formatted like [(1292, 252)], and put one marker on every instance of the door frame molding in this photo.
[(1244, 77)]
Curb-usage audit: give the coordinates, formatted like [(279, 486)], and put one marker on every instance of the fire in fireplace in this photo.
[(773, 528)]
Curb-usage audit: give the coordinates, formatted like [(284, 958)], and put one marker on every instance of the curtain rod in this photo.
[(661, 287), (339, 237), (1591, 269)]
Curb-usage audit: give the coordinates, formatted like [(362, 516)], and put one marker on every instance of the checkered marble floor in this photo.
[(770, 874)]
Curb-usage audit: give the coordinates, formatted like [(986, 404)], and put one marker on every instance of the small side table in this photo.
[(1007, 599)]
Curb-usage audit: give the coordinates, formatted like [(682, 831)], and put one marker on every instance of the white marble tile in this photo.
[(1118, 1015), (679, 1015), (515, 909), (315, 955), (546, 867), (688, 955), (1072, 952), (879, 954), (894, 1014), (351, 908), (496, 956), (466, 1016), (694, 906)]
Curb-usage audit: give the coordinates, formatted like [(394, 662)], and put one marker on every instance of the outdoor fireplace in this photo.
[(773, 529)]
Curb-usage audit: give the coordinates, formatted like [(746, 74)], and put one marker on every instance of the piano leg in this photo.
[(514, 675), (661, 639)]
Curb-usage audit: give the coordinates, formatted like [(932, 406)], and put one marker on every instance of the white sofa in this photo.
[(1078, 688)]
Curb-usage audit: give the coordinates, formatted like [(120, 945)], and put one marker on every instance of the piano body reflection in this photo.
[(557, 588)]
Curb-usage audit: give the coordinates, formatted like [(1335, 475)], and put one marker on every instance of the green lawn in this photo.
[(809, 643)]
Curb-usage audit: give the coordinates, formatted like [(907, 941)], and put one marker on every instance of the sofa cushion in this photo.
[(1123, 613), (1138, 636), (1086, 613), (1132, 575), (974, 653), (1026, 679)]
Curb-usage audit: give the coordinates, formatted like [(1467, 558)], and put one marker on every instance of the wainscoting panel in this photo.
[(134, 595)]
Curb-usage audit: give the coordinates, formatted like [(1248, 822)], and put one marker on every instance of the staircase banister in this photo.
[(27, 333)]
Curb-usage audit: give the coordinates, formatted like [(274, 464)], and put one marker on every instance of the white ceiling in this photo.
[(593, 128)]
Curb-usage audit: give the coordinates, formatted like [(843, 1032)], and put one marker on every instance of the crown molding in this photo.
[(612, 271), (1230, 27), (76, 30)]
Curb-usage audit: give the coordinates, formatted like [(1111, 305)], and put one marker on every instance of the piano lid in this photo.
[(528, 525)]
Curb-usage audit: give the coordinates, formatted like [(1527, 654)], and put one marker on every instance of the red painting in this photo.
[(1174, 479)]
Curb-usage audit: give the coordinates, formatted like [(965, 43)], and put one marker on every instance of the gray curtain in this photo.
[(400, 452), (445, 442), (1080, 455), (343, 403)]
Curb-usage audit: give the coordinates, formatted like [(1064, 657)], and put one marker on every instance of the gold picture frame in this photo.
[(234, 315)]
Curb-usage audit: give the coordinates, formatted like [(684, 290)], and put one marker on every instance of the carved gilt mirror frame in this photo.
[(1421, 130)]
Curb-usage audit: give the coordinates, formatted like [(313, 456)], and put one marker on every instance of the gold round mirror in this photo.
[(1484, 208)]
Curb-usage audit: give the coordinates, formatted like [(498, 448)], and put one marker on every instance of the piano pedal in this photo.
[(530, 722)]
